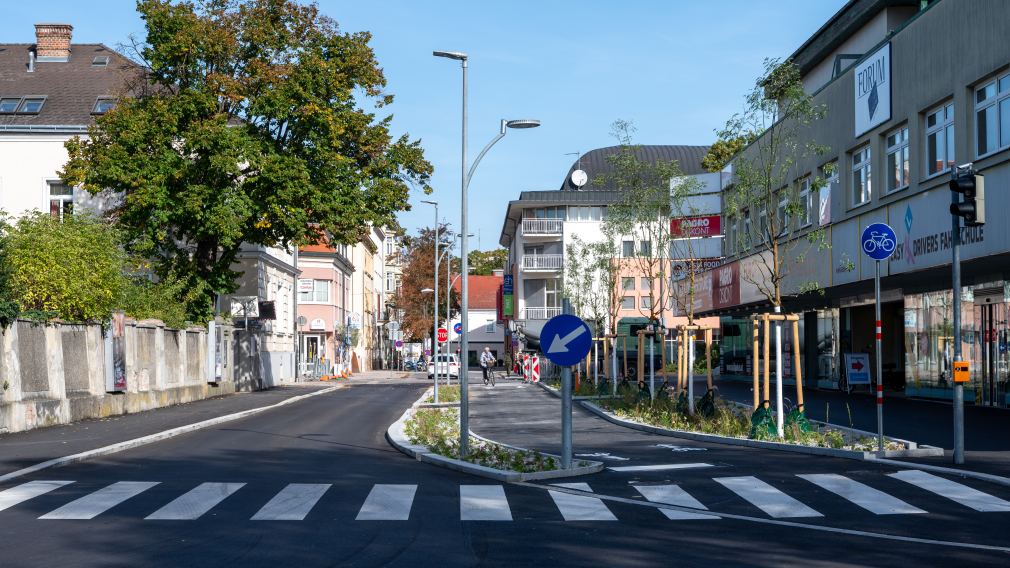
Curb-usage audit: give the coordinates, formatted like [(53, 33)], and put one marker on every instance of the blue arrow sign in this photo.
[(878, 241), (458, 328), (566, 340)]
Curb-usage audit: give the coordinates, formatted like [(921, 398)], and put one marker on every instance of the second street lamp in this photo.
[(434, 319)]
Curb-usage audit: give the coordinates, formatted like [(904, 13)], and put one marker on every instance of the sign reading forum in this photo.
[(872, 81)]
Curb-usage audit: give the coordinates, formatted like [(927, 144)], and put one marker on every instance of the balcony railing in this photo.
[(543, 261), (540, 313), (542, 226)]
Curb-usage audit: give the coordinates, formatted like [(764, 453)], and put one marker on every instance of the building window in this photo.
[(646, 284), (746, 229), (940, 139), (861, 178), (992, 116), (829, 173), (61, 199), (489, 326), (9, 105), (585, 213), (646, 302), (627, 249), (100, 61), (731, 235), (320, 293), (806, 203), (628, 303), (627, 284), (553, 293), (897, 159), (782, 213), (762, 225), (390, 282), (103, 105), (545, 213), (644, 248), (31, 105)]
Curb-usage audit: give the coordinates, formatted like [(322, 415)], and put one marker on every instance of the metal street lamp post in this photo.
[(464, 407)]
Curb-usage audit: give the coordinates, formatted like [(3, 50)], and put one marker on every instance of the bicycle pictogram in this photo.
[(879, 241)]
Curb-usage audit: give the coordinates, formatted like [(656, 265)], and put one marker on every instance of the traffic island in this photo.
[(431, 434)]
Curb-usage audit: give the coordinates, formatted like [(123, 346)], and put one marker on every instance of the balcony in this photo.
[(540, 313), (542, 262), (542, 228)]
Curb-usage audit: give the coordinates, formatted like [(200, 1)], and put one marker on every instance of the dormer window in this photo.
[(9, 104), (103, 105), (31, 105), (100, 61)]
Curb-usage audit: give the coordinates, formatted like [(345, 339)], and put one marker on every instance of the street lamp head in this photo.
[(435, 203), (457, 55), (427, 291), (523, 123)]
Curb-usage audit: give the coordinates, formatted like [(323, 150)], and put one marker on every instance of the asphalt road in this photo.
[(316, 484)]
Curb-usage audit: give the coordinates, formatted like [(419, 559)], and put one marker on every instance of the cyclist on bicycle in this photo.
[(486, 362)]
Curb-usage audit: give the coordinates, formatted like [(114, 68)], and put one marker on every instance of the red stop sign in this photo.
[(443, 335)]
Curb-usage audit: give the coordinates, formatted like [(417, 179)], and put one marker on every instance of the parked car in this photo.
[(442, 361)]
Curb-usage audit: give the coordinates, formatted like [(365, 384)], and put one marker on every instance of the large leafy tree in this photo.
[(255, 122), (485, 262), (418, 274)]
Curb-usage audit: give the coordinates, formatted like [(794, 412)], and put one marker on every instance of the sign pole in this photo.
[(958, 386), (566, 405), (880, 376)]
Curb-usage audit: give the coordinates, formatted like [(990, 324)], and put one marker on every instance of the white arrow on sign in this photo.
[(560, 344)]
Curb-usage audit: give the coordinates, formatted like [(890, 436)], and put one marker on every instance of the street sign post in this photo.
[(878, 242), (857, 368), (568, 340)]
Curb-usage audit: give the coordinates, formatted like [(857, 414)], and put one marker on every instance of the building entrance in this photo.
[(991, 356)]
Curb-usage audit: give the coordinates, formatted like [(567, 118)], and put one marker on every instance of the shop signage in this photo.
[(911, 318), (857, 368), (507, 299), (305, 284), (317, 324), (706, 226), (872, 83), (726, 286)]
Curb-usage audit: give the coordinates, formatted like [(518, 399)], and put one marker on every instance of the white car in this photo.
[(443, 360)]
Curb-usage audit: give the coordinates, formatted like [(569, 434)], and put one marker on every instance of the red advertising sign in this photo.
[(443, 335), (726, 286), (705, 226)]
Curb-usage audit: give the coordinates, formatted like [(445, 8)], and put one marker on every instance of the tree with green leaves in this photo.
[(255, 122), (418, 274), (583, 281), (776, 118), (485, 262)]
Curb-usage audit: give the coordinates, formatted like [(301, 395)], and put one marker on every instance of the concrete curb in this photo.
[(997, 479), (398, 439), (714, 438), (159, 436), (557, 393)]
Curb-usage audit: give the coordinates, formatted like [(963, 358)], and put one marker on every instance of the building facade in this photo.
[(324, 290), (484, 320), (911, 90)]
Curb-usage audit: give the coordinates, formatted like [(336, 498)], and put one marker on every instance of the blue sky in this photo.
[(676, 68)]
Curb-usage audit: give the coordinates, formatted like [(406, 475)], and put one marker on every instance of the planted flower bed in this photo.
[(445, 394), (438, 430)]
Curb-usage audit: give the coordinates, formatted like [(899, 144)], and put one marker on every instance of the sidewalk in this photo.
[(23, 449)]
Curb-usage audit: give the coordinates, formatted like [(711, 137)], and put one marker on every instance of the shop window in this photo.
[(940, 139)]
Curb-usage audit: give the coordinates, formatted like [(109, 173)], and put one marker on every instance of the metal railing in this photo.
[(542, 226), (540, 313), (543, 261)]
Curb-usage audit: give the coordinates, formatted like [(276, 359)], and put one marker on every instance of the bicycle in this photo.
[(490, 376)]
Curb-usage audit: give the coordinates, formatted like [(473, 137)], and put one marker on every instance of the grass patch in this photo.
[(445, 394), (438, 429)]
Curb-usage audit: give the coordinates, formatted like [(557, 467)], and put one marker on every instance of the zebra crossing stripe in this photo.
[(580, 507), (873, 500), (196, 502), (674, 495), (293, 503), (26, 491), (765, 497), (388, 503), (483, 503), (967, 496), (94, 504)]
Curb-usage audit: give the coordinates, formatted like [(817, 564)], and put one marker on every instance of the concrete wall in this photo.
[(55, 374)]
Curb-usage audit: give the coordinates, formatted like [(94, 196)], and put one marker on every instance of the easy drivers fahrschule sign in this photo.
[(872, 81)]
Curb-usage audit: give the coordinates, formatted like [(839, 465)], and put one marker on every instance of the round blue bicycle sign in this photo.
[(878, 241)]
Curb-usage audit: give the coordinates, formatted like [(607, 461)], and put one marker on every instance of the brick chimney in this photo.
[(53, 40)]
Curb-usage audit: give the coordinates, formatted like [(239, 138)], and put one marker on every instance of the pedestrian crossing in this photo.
[(803, 496)]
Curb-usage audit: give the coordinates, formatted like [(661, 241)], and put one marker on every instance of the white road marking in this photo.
[(195, 503), (94, 504), (483, 503), (674, 448), (293, 503), (602, 455), (765, 497), (967, 496), (873, 500), (388, 503), (659, 467), (674, 495), (580, 507), (26, 491)]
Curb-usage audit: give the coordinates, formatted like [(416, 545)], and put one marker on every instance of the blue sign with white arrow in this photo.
[(878, 241), (566, 340)]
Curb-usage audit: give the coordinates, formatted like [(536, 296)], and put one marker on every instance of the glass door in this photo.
[(992, 354)]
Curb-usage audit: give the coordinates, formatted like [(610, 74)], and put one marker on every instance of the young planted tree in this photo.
[(582, 281), (256, 124)]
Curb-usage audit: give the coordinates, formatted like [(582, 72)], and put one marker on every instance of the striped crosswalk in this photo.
[(920, 493)]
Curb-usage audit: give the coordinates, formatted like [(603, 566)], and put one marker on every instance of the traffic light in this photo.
[(972, 205)]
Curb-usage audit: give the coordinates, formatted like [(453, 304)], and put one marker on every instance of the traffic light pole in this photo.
[(956, 276)]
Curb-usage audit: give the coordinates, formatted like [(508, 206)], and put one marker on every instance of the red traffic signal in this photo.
[(972, 205)]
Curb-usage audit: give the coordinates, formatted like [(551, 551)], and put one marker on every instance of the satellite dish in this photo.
[(579, 178)]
